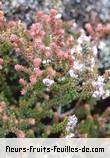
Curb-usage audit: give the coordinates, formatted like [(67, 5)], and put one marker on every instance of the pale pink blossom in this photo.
[(46, 19), (53, 12), (13, 38), (37, 62), (23, 91), (99, 28), (33, 80), (38, 72), (22, 81), (89, 28), (19, 67), (17, 50), (1, 61)]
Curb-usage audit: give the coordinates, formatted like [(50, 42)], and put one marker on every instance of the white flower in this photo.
[(78, 66), (96, 94), (83, 38), (46, 61), (106, 95), (58, 16), (48, 82), (101, 79), (94, 83), (92, 62), (76, 49), (101, 91), (72, 73), (102, 45), (72, 121), (61, 79), (71, 135), (95, 51)]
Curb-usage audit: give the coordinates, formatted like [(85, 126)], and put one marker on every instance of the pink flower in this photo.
[(1, 61), (53, 12), (46, 19), (13, 38), (51, 72), (107, 28), (38, 72), (17, 50), (71, 62), (48, 54), (60, 54), (99, 28), (65, 56), (23, 91), (89, 28), (12, 24), (59, 24), (37, 62), (1, 16), (18, 67), (39, 15), (33, 80), (22, 81)]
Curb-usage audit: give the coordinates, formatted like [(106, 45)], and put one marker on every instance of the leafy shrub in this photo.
[(43, 68)]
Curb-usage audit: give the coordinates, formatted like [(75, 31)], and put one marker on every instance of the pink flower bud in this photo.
[(71, 62), (17, 50), (33, 80), (18, 67), (37, 62), (107, 28), (12, 23), (89, 28), (66, 56), (99, 28), (40, 13), (59, 23), (13, 38), (23, 91), (38, 72), (53, 12), (46, 19), (1, 61), (22, 81), (48, 54)]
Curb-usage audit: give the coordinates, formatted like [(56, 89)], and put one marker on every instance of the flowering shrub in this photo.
[(42, 69)]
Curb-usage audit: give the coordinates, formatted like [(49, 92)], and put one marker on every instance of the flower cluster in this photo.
[(72, 121)]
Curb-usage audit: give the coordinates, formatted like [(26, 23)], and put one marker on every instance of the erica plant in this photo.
[(49, 69)]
